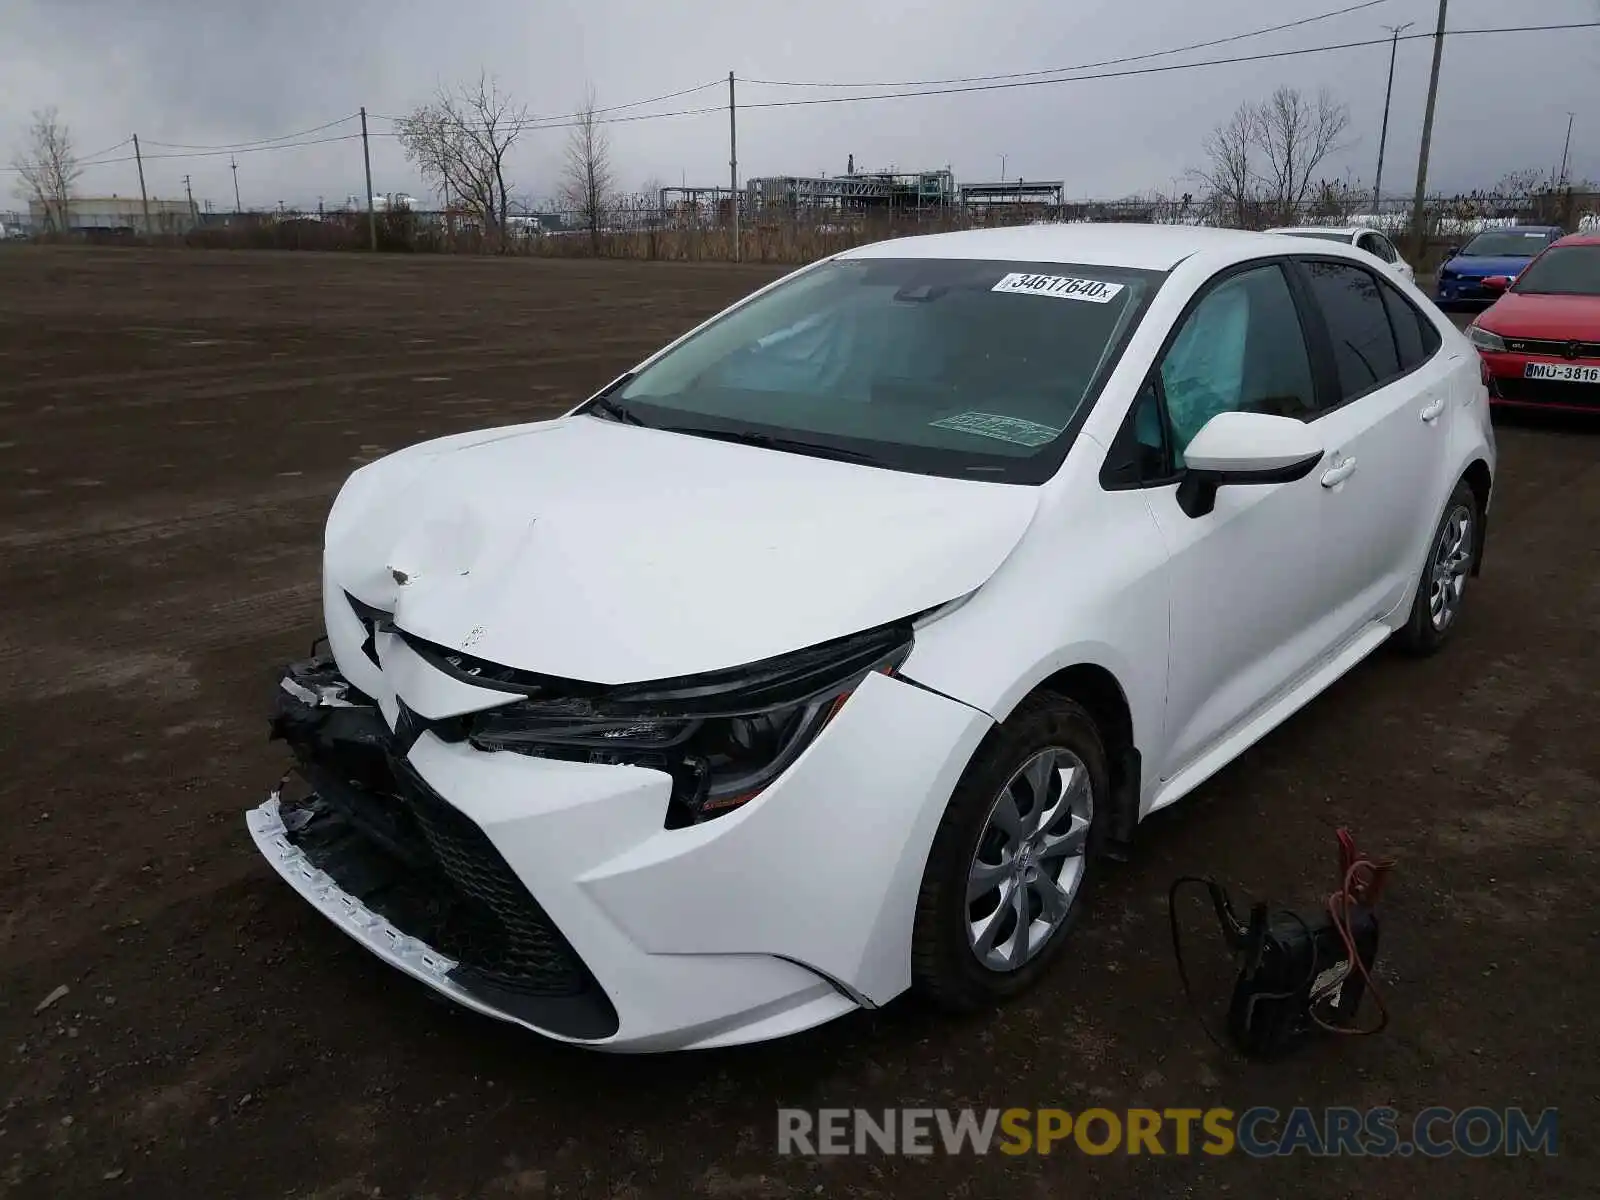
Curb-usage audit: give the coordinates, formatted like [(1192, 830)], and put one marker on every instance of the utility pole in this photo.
[(1561, 179), (234, 163), (1383, 138), (188, 189), (733, 167), (1418, 233), (366, 158), (144, 200)]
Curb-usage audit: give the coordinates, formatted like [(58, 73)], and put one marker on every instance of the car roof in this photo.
[(1342, 230), (1579, 239), (1099, 244), (1555, 229)]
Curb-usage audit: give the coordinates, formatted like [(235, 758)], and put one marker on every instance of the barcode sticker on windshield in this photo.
[(1063, 287), (1002, 428)]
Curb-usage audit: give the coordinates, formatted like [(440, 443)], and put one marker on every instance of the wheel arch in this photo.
[(1094, 688), (1478, 477)]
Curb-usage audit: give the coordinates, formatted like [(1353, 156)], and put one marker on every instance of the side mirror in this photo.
[(1450, 252), (1242, 448), (1498, 283)]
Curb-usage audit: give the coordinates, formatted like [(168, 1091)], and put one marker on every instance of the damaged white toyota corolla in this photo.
[(822, 656)]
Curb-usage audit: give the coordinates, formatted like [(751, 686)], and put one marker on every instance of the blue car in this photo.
[(1493, 252)]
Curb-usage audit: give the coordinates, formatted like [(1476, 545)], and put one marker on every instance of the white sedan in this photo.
[(1370, 240), (825, 654)]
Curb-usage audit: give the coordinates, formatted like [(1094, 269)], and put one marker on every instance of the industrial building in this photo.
[(853, 192), (116, 214), (891, 193)]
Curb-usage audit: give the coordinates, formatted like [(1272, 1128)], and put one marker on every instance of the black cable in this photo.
[(1108, 62), (1177, 953), (542, 122), (1158, 70), (348, 137), (231, 146)]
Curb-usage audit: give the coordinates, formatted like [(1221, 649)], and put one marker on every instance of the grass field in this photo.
[(172, 428)]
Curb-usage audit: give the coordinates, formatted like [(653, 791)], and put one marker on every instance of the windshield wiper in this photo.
[(614, 410), (768, 441)]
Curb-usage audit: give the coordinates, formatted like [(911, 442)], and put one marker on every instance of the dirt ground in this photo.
[(172, 428)]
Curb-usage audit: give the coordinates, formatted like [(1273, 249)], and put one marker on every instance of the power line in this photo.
[(84, 159), (681, 112), (1108, 62), (348, 137), (995, 83), (229, 146), (1157, 70), (543, 122), (106, 162)]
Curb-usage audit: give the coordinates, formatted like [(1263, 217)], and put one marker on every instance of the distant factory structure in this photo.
[(860, 193), (114, 214)]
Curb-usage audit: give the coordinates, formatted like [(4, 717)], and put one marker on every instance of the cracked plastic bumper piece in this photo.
[(557, 896)]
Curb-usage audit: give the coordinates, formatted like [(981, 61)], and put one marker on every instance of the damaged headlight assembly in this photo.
[(722, 736)]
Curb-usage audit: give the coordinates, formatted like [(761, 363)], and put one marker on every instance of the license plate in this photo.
[(1563, 372)]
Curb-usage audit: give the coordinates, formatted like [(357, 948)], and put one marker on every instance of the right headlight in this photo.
[(1484, 340), (723, 736)]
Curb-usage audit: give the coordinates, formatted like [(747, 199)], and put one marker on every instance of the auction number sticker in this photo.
[(1062, 287)]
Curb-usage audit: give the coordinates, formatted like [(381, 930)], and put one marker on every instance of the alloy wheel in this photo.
[(1030, 859), (1452, 559)]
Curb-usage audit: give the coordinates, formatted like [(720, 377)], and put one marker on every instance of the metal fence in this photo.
[(702, 227)]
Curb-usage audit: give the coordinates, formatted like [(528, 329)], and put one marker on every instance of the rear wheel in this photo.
[(1441, 592), (1013, 855)]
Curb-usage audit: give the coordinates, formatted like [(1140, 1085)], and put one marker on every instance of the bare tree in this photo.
[(1515, 185), (459, 141), (1296, 135), (1263, 161), (587, 181), (1230, 177), (47, 168), (651, 189)]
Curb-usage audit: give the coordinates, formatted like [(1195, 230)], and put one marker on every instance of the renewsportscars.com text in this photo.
[(1258, 1132)]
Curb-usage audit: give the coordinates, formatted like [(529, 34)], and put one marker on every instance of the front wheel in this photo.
[(1007, 874), (1441, 592)]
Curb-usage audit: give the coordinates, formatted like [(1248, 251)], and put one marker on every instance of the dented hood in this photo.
[(612, 553)]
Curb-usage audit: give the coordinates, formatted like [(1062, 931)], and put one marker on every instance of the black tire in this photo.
[(1421, 635), (945, 970)]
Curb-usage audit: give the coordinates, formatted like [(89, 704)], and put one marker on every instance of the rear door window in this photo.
[(1364, 347), (1407, 323)]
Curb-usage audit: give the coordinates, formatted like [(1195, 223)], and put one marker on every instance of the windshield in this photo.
[(1508, 243), (949, 367), (1563, 271)]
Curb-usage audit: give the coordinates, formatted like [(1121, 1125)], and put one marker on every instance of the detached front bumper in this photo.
[(552, 894)]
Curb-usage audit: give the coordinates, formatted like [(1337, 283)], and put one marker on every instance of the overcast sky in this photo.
[(211, 72)]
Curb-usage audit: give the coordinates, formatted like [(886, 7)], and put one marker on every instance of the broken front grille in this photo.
[(511, 941), (391, 841)]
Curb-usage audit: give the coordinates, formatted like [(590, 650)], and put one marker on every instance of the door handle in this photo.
[(1431, 413), (1334, 476)]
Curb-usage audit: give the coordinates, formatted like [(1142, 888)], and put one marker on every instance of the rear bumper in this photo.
[(550, 894)]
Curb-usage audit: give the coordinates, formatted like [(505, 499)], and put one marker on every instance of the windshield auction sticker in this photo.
[(1003, 428), (1062, 287)]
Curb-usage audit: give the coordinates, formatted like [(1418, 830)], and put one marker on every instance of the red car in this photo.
[(1540, 341)]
